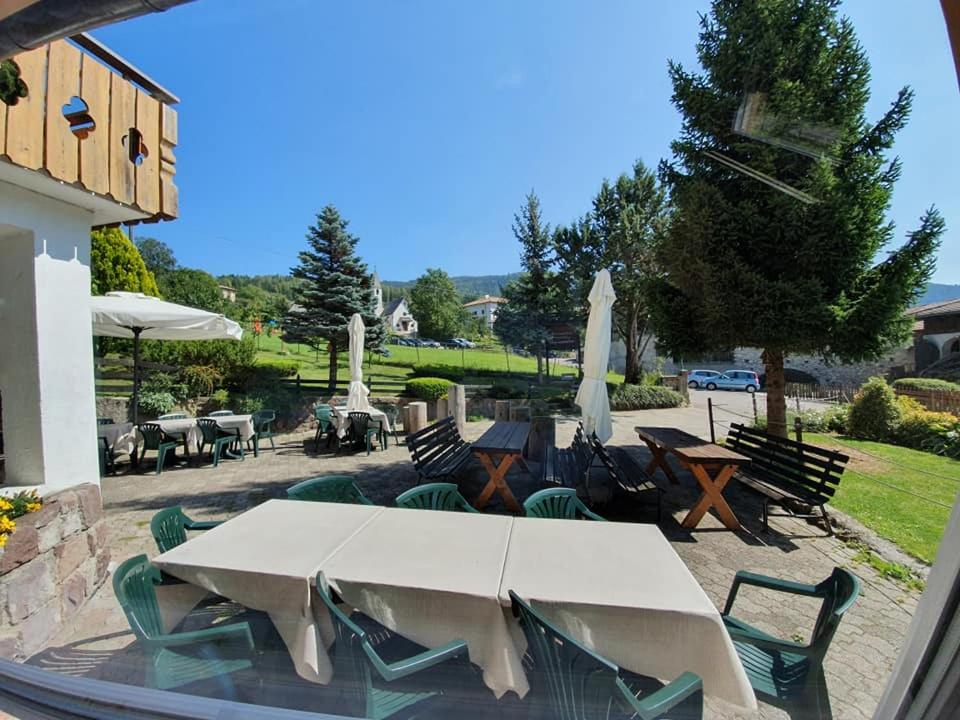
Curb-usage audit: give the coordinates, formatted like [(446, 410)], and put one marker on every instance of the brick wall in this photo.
[(52, 563)]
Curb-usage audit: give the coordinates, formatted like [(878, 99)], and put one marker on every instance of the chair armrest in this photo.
[(201, 524), (767, 643), (468, 507), (411, 665), (667, 697), (587, 512), (236, 633), (748, 578)]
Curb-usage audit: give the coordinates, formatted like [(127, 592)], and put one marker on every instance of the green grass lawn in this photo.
[(915, 524)]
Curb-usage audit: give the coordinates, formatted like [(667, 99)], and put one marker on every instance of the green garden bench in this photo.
[(438, 451)]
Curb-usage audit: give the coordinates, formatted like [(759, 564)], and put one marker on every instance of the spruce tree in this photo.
[(335, 285), (748, 264)]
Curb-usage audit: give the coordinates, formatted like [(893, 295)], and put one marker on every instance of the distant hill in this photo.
[(470, 286), (938, 292)]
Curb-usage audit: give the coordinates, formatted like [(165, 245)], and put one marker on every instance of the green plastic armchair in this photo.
[(365, 431), (177, 659), (330, 488), (154, 438), (559, 504), (392, 412), (169, 527), (569, 681), (782, 672), (262, 430), (218, 438), (325, 427), (369, 685), (434, 496), (106, 457)]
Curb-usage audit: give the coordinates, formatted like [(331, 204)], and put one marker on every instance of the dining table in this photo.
[(189, 431), (341, 419), (436, 577), (710, 464), (497, 449), (120, 437)]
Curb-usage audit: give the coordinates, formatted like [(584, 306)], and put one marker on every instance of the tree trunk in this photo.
[(539, 367), (332, 376), (631, 372), (776, 402)]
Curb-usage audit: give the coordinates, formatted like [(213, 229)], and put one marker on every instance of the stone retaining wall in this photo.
[(52, 563)]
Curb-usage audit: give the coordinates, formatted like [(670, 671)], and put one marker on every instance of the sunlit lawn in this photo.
[(914, 523)]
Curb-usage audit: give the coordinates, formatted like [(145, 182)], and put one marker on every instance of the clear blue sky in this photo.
[(426, 123)]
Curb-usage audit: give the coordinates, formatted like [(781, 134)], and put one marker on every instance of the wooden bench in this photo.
[(786, 472), (630, 477), (438, 451), (569, 467)]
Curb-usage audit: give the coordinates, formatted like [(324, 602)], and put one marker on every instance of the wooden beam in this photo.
[(123, 117), (951, 13), (148, 171), (62, 153), (25, 119), (96, 148)]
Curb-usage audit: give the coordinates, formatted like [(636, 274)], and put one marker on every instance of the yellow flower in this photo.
[(3, 540), (5, 504), (33, 507), (7, 525)]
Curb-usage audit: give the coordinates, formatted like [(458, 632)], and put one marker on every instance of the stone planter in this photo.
[(52, 564)]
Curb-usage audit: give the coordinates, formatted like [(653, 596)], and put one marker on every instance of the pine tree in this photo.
[(748, 264), (335, 285)]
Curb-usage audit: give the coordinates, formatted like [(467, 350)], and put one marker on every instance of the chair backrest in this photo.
[(840, 590), (322, 413), (173, 416), (220, 413), (262, 419), (209, 429), (432, 496), (168, 528), (360, 422), (104, 421), (351, 666), (557, 503), (134, 584), (330, 488), (391, 411), (152, 435), (580, 684)]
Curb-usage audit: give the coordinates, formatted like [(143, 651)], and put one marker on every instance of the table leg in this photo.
[(497, 482), (712, 497), (659, 460)]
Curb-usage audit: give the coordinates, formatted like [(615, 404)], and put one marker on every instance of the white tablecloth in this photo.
[(189, 427), (342, 421), (121, 437), (436, 577)]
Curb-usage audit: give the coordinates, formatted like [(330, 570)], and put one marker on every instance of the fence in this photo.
[(826, 393), (114, 376), (939, 400)]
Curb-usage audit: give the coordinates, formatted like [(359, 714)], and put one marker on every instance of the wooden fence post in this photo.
[(416, 417), (457, 399), (713, 436), (501, 411), (542, 437), (520, 413), (798, 428)]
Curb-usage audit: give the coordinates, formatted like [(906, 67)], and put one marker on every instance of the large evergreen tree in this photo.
[(780, 251), (335, 285), (436, 304)]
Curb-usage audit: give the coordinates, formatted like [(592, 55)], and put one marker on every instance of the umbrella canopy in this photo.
[(135, 315), (592, 395), (357, 395)]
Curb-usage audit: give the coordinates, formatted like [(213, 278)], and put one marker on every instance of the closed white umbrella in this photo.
[(135, 315), (592, 395), (357, 394)]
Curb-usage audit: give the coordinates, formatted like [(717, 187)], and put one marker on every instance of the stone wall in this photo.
[(52, 563)]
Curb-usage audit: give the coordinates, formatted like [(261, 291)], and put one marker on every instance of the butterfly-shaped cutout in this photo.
[(77, 114)]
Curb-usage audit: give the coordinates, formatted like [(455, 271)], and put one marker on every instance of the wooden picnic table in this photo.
[(497, 449), (712, 465)]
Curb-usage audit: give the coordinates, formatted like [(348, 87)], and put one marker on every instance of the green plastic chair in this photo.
[(559, 504), (325, 426), (370, 686), (217, 438), (785, 673), (329, 488), (173, 416), (434, 496), (220, 413), (578, 684), (154, 438), (392, 412), (106, 457), (364, 430), (177, 659), (262, 429), (169, 527)]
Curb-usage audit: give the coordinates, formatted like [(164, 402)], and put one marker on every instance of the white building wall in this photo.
[(46, 352)]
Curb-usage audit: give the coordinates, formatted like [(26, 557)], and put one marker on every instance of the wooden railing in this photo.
[(89, 126), (115, 375), (938, 400)]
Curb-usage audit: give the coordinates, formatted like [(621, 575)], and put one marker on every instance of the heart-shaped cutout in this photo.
[(77, 114)]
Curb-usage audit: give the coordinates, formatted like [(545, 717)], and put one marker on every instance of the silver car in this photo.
[(735, 380), (700, 378)]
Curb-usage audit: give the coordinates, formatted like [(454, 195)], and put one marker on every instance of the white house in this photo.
[(398, 317), (485, 308)]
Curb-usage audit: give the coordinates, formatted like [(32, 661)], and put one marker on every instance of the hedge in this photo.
[(428, 388), (925, 384), (644, 397), (450, 372)]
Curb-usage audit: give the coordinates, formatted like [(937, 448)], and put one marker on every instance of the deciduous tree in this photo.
[(156, 254), (436, 304), (191, 287), (115, 264)]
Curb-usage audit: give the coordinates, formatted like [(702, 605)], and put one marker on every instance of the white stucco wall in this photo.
[(46, 352)]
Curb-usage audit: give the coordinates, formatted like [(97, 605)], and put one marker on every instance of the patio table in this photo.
[(341, 419), (266, 559), (621, 590), (120, 437), (188, 428), (712, 466), (497, 449)]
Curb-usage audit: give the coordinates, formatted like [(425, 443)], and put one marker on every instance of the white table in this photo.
[(437, 576), (341, 419), (188, 428), (120, 437)]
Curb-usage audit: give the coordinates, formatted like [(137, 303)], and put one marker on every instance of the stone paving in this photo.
[(99, 644)]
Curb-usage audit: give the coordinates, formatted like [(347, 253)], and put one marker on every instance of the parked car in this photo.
[(427, 342), (463, 342), (735, 380), (700, 378)]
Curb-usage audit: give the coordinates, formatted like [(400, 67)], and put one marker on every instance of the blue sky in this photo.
[(426, 123)]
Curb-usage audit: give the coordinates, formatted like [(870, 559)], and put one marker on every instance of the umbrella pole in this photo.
[(136, 375)]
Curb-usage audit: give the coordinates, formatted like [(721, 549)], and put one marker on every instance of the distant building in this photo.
[(378, 294), (936, 332), (485, 308), (398, 317), (228, 293)]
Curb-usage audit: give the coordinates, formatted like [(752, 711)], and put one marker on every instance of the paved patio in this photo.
[(100, 645)]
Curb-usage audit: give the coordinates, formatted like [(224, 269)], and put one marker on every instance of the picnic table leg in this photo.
[(497, 481), (659, 460), (712, 497)]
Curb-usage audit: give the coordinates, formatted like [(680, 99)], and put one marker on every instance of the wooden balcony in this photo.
[(86, 124)]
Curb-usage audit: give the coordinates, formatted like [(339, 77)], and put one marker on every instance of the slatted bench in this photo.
[(438, 451), (569, 467), (629, 476), (787, 473)]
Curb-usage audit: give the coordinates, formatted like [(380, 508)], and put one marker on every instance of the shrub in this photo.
[(874, 414), (200, 379), (161, 382), (644, 397), (220, 398), (450, 372), (920, 428), (500, 391), (154, 402), (925, 384), (263, 375), (428, 388)]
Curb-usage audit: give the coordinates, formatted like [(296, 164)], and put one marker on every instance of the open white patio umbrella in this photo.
[(357, 394), (137, 316), (592, 395)]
